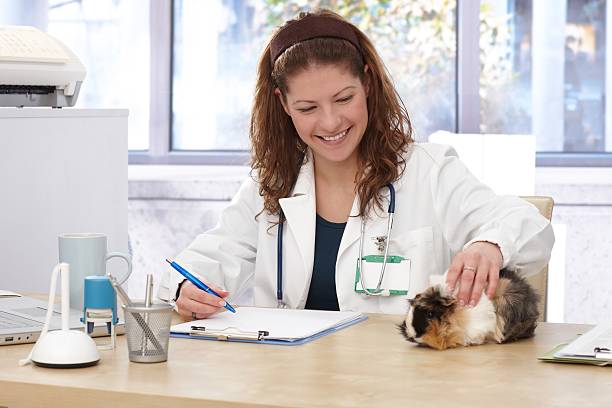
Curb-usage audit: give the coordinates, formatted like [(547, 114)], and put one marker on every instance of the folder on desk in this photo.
[(592, 347), (268, 325)]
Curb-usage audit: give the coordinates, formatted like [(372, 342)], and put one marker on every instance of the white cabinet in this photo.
[(61, 170)]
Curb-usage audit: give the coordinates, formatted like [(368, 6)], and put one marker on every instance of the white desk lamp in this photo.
[(62, 348)]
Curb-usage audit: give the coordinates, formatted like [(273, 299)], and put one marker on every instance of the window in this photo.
[(186, 68), (540, 63), (217, 45), (215, 52)]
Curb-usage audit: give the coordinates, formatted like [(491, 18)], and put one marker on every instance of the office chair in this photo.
[(539, 281)]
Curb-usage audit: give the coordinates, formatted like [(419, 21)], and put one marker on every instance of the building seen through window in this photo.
[(547, 73)]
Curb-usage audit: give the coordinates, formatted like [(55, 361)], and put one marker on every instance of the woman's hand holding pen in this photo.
[(193, 303), (474, 270)]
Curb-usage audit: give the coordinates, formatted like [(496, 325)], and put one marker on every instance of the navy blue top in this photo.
[(322, 292)]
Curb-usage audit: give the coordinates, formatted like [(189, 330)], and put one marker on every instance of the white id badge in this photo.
[(397, 275)]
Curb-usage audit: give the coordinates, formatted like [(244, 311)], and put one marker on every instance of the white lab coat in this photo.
[(441, 208)]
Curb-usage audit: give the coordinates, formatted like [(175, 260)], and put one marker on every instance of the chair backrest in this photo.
[(539, 281)]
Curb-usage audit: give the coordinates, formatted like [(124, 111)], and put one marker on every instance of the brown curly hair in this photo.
[(278, 152)]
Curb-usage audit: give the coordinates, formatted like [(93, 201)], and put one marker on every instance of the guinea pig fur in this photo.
[(435, 318)]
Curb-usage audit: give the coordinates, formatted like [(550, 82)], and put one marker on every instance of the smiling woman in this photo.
[(331, 147), (333, 86)]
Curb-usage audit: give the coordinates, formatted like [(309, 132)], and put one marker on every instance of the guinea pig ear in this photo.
[(438, 291), (448, 301), (444, 290)]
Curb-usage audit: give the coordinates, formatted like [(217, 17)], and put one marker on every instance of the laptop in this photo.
[(22, 319)]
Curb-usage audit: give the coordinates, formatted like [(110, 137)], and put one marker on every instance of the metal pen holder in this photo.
[(147, 330)]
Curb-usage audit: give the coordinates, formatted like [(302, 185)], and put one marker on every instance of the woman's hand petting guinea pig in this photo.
[(474, 269), (193, 303)]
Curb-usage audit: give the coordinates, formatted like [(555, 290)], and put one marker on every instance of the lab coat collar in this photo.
[(305, 183), (352, 229), (300, 212)]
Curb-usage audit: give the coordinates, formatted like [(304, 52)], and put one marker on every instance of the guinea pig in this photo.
[(435, 318)]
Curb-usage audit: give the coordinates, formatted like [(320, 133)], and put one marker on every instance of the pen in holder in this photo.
[(147, 304), (147, 328)]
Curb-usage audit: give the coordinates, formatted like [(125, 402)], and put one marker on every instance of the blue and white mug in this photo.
[(87, 253)]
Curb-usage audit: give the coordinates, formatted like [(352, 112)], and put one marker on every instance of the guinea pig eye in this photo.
[(430, 315)]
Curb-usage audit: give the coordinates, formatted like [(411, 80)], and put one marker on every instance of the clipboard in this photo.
[(549, 357), (592, 347), (288, 327)]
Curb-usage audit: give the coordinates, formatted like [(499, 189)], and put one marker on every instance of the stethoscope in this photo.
[(377, 291)]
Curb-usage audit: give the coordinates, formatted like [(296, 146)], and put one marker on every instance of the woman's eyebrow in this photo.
[(333, 96)]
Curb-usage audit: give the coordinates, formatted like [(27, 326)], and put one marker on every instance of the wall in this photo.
[(583, 203), (169, 206)]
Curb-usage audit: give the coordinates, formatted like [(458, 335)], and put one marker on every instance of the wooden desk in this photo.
[(367, 365)]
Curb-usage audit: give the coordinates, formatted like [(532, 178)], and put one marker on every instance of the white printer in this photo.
[(37, 69)]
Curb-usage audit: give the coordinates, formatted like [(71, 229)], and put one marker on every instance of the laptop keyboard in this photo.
[(35, 312), (11, 321)]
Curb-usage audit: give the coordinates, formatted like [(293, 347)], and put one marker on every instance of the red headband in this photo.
[(310, 27)]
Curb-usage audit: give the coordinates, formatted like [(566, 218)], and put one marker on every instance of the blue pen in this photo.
[(198, 283)]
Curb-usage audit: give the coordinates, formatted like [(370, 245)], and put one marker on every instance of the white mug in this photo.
[(86, 253)]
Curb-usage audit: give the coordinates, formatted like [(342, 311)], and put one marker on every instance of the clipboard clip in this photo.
[(603, 353), (229, 333)]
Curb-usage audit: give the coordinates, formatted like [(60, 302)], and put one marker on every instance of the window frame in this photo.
[(467, 96)]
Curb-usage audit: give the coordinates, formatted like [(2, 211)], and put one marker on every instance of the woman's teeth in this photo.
[(336, 137)]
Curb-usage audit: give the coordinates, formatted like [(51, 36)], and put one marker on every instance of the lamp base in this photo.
[(65, 349)]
